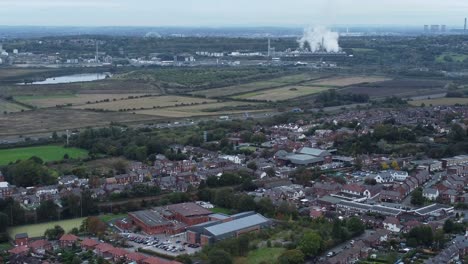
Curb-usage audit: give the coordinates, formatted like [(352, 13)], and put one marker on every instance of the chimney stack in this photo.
[(464, 29)]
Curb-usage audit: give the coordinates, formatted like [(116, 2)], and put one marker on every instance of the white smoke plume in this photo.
[(318, 36)]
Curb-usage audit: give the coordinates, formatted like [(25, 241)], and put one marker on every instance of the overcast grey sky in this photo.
[(217, 13)]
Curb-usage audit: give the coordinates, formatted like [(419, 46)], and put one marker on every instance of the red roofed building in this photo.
[(315, 214), (189, 213), (136, 257), (68, 240), (19, 251), (89, 244), (103, 250), (118, 254), (40, 246), (21, 239), (154, 260)]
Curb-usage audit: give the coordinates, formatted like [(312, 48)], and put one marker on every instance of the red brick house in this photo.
[(118, 254), (40, 246), (136, 257), (21, 239), (19, 251), (68, 240), (103, 250), (89, 244)]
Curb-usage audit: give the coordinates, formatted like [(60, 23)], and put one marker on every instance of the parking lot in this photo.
[(165, 244)]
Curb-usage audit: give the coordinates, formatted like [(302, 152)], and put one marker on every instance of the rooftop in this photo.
[(189, 209), (150, 218), (238, 224)]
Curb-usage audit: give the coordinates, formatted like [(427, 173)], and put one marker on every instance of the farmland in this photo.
[(403, 88), (48, 120), (203, 110), (46, 153), (440, 101), (199, 78), (146, 102), (10, 107), (281, 94), (37, 230), (255, 86), (346, 81), (45, 101)]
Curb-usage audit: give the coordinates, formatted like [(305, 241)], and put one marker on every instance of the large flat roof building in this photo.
[(233, 226)]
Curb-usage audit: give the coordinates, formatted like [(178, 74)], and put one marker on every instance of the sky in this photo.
[(222, 13)]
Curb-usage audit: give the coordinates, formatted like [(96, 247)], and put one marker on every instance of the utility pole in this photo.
[(68, 137)]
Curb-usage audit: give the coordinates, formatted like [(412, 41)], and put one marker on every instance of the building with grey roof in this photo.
[(235, 225)]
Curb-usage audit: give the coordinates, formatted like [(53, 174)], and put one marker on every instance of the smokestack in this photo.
[(269, 48), (464, 29)]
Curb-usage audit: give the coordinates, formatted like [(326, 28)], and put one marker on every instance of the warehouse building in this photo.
[(170, 219), (228, 227)]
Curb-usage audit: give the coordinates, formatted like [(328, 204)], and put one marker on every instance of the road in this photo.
[(339, 248)]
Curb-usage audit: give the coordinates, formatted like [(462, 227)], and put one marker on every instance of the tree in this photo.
[(4, 222), (246, 203), (355, 226), (417, 197), (47, 211), (457, 133), (29, 173), (449, 226), (120, 166), (54, 233), (270, 172), (252, 165), (385, 166), (291, 257), (94, 225), (395, 165), (219, 257), (420, 235), (310, 244), (370, 181), (185, 259), (265, 207)]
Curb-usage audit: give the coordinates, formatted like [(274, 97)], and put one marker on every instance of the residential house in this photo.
[(21, 239), (40, 247), (431, 193), (392, 224), (376, 238), (89, 244), (68, 240), (68, 180), (19, 250)]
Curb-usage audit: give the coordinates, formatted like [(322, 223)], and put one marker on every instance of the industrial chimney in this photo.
[(464, 29)]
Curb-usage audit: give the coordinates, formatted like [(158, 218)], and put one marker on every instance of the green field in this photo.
[(111, 217), (10, 107), (37, 97), (37, 230), (281, 94), (220, 210), (261, 255), (46, 153), (456, 57)]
